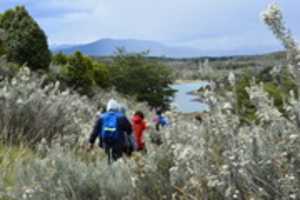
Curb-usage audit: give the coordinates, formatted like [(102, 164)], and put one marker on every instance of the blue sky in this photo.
[(205, 24)]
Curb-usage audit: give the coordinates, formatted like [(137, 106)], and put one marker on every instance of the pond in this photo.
[(186, 102)]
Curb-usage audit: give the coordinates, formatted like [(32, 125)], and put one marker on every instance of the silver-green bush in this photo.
[(31, 111)]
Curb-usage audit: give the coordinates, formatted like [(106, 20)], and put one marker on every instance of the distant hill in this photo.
[(107, 47)]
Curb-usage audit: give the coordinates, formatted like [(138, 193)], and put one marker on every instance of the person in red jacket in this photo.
[(139, 126)]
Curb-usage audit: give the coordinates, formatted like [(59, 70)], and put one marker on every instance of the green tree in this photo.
[(59, 59), (148, 80), (79, 73), (26, 41), (82, 73), (101, 75), (2, 41)]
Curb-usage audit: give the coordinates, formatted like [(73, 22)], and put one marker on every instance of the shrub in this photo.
[(10, 157), (59, 59), (245, 107), (277, 84), (60, 175), (81, 73), (216, 159), (101, 75), (26, 42), (7, 70), (30, 111)]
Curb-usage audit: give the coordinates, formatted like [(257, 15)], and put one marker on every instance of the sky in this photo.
[(204, 24)]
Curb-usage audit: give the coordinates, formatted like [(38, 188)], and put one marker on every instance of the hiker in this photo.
[(129, 144), (111, 127), (139, 126), (101, 111), (159, 120)]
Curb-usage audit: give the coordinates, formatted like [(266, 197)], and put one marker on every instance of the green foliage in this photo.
[(59, 59), (8, 156), (277, 86), (82, 73), (101, 75), (288, 82), (79, 72), (245, 107), (2, 42), (276, 93), (26, 41), (148, 80), (8, 70)]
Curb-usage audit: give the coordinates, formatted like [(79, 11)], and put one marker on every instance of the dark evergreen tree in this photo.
[(83, 73), (2, 41), (26, 42)]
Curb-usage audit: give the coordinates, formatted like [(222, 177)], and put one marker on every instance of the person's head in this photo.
[(112, 106), (158, 112), (140, 114), (122, 109)]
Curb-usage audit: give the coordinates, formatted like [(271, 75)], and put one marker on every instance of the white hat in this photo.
[(112, 105)]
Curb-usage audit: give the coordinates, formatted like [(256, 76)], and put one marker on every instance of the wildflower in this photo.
[(231, 157), (19, 101), (225, 167), (228, 191), (227, 106), (293, 136), (14, 81), (24, 196), (231, 78)]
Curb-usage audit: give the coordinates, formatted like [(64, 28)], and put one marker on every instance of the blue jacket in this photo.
[(123, 124)]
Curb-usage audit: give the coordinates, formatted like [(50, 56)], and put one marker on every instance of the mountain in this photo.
[(58, 47), (107, 47)]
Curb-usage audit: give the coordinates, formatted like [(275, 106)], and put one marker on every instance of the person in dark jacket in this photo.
[(113, 143), (129, 139)]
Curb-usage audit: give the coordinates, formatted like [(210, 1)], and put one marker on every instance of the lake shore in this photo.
[(185, 101), (181, 81)]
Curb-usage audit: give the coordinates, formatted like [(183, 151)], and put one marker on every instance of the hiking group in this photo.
[(117, 135)]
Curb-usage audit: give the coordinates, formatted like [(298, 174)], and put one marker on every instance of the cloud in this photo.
[(205, 23)]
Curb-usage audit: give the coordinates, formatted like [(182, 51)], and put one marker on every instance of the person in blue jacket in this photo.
[(110, 128)]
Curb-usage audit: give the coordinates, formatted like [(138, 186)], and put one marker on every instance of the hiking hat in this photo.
[(112, 105)]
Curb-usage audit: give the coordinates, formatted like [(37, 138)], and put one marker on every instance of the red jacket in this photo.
[(139, 126)]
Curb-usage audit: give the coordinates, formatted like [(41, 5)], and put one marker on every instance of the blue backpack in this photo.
[(162, 120), (110, 126)]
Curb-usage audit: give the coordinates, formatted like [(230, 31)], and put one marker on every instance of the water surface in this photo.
[(186, 102)]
